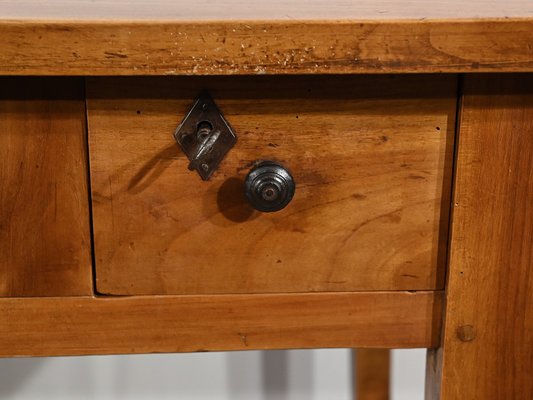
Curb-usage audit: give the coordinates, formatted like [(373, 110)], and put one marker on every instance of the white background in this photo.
[(253, 375)]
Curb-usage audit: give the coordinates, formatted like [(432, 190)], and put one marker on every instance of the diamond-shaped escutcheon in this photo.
[(205, 136)]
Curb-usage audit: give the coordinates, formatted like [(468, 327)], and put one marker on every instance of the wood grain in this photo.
[(487, 351), (372, 374), (148, 324), (371, 157), (45, 245), (196, 47), (264, 10)]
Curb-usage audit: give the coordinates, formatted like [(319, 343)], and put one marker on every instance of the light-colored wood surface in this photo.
[(487, 350), (148, 324), (45, 245), (371, 157), (263, 10), (111, 47), (372, 374)]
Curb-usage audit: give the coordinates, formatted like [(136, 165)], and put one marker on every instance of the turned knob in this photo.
[(269, 186)]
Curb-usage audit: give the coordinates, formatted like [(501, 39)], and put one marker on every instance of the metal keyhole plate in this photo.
[(205, 136)]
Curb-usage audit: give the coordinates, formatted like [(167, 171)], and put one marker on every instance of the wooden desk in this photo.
[(408, 129)]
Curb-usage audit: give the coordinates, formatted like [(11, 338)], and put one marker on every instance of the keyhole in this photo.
[(203, 130)]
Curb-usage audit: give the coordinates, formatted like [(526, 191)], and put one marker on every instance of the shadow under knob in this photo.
[(269, 186)]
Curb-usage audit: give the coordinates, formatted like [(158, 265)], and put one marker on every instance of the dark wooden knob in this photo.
[(269, 186)]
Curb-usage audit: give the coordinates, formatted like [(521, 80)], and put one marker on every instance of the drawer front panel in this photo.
[(371, 157)]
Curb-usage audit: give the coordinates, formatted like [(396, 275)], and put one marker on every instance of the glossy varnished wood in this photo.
[(351, 45), (371, 158), (487, 351), (147, 324), (44, 218)]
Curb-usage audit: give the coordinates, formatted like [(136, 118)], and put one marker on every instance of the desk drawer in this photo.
[(371, 157)]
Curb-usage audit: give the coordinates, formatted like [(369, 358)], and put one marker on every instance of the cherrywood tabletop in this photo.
[(209, 10), (236, 37)]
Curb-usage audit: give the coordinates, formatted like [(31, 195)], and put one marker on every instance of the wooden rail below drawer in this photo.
[(146, 324)]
